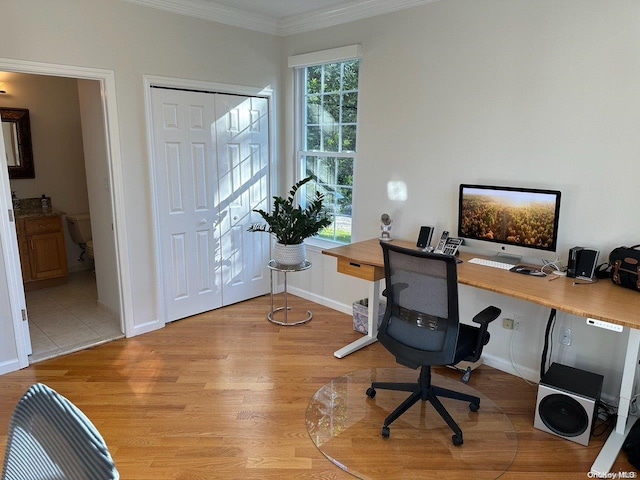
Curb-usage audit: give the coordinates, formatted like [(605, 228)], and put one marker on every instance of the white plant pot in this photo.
[(289, 254)]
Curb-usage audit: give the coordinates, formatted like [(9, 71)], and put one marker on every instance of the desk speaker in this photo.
[(567, 402)]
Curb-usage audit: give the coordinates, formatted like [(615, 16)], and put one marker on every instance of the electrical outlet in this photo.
[(507, 323), (565, 339)]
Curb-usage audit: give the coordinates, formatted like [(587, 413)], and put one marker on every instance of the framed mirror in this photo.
[(16, 130)]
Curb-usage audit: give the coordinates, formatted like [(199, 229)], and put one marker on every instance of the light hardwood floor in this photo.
[(223, 395)]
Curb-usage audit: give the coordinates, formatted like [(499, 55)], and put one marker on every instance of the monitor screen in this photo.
[(521, 217)]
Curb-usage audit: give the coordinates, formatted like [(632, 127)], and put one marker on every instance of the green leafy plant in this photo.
[(290, 224)]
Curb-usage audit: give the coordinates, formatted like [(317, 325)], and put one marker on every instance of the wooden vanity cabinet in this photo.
[(42, 251)]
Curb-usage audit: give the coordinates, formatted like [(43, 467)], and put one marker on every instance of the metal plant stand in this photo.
[(275, 267)]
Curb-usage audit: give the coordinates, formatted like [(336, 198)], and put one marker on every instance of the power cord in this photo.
[(606, 418), (554, 268), (513, 364)]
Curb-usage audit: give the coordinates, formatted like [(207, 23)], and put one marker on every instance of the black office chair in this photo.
[(421, 328)]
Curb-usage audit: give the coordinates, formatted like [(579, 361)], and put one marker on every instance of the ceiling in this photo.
[(281, 17)]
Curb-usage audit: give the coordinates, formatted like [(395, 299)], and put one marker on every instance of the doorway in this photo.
[(101, 292), (68, 154)]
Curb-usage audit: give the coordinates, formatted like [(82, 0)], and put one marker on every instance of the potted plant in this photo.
[(290, 224)]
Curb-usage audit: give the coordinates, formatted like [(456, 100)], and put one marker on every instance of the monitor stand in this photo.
[(507, 258)]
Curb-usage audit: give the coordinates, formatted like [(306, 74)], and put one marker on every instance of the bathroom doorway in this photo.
[(85, 310)]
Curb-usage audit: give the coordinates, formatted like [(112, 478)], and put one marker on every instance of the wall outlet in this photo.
[(507, 323), (565, 339)]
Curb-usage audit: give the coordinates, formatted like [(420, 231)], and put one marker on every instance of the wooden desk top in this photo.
[(602, 300)]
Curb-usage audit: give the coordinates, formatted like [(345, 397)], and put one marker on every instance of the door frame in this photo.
[(106, 78), (205, 87)]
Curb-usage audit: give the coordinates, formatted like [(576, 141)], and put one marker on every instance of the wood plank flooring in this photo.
[(223, 395)]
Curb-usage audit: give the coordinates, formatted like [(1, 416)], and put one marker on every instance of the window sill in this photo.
[(317, 245)]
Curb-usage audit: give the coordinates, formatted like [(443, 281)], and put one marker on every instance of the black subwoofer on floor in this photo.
[(567, 403)]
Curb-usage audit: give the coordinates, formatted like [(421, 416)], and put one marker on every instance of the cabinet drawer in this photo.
[(42, 225), (360, 270)]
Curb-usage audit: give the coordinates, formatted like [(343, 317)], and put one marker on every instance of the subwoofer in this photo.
[(567, 402)]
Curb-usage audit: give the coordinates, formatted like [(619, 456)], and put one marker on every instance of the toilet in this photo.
[(79, 226)]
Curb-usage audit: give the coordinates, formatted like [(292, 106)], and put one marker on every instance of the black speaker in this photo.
[(582, 262), (567, 404), (424, 238)]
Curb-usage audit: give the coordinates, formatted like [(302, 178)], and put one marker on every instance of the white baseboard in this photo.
[(9, 366), (325, 302), (146, 328)]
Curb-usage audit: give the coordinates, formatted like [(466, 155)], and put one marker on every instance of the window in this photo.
[(327, 103)]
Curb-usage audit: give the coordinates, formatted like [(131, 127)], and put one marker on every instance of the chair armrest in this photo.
[(487, 315), (484, 318)]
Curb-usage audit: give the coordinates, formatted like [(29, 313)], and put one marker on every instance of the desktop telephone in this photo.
[(448, 245)]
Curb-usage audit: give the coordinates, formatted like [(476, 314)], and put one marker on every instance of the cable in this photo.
[(549, 330), (553, 268), (513, 335), (610, 416)]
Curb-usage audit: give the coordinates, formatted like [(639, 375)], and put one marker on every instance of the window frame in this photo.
[(300, 64)]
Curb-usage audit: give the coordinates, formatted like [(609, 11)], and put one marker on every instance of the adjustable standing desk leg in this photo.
[(612, 446), (372, 323)]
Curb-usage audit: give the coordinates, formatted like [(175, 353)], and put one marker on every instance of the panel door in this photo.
[(242, 131), (187, 201)]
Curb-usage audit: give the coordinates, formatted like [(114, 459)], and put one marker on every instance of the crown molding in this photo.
[(345, 13), (327, 17), (216, 13)]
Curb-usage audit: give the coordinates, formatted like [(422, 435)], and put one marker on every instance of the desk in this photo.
[(602, 301)]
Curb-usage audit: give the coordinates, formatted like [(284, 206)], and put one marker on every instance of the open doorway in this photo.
[(87, 308)]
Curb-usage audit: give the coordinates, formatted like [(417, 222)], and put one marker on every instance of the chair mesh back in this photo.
[(50, 438), (422, 305)]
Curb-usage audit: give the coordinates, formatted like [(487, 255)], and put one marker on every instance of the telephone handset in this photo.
[(442, 242)]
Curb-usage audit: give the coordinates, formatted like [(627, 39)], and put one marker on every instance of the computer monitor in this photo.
[(515, 219)]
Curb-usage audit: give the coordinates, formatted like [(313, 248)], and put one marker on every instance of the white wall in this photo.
[(132, 41), (524, 93)]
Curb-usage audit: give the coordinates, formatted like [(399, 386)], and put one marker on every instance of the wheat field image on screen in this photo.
[(511, 217)]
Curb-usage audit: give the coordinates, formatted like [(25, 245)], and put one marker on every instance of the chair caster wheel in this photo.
[(386, 432), (457, 440), (467, 375), (474, 407), (371, 392)]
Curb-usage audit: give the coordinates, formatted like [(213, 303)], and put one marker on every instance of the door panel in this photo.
[(242, 138), (186, 187)]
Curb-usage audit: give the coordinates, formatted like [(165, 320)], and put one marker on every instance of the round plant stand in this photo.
[(275, 268)]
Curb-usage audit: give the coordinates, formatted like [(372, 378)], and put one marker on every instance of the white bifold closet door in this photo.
[(211, 168)]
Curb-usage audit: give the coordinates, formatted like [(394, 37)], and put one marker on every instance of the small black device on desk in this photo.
[(527, 270)]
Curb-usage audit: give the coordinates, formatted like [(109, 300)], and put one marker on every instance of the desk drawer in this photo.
[(360, 270)]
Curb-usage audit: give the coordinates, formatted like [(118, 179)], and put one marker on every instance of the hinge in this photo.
[(11, 215), (24, 315)]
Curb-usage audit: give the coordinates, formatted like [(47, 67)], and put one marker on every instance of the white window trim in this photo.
[(340, 54)]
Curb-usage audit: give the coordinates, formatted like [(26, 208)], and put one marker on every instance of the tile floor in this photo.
[(67, 318)]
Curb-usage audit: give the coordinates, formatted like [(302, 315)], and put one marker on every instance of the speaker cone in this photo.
[(563, 415)]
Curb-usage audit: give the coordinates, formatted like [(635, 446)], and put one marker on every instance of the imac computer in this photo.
[(513, 219)]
